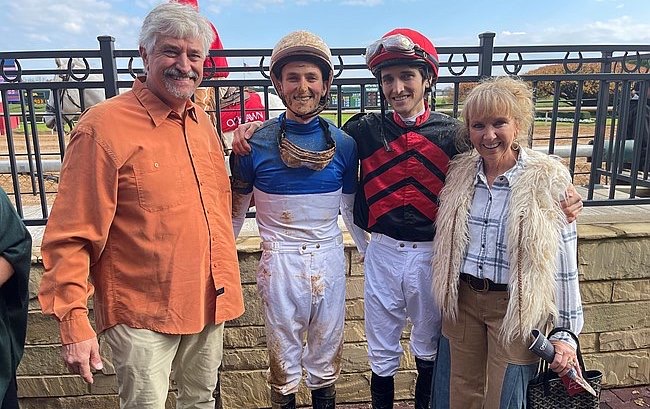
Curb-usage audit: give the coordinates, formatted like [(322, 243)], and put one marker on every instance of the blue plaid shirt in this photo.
[(487, 255)]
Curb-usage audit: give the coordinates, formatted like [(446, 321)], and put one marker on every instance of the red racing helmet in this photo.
[(402, 46)]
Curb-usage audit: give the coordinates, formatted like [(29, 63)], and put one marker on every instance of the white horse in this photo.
[(71, 107)]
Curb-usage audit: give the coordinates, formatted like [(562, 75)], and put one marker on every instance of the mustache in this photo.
[(175, 72)]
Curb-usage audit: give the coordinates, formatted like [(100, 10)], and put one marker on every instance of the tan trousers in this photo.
[(478, 359), (144, 361)]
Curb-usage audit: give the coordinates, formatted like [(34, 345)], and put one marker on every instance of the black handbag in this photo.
[(546, 390)]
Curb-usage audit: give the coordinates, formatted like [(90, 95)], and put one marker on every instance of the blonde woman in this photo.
[(505, 257)]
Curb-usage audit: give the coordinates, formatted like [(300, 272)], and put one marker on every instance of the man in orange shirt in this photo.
[(142, 220)]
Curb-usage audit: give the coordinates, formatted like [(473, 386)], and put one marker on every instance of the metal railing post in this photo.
[(602, 105), (486, 56), (109, 66)]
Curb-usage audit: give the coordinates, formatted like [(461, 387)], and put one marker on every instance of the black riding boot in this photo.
[(382, 391), (324, 398), (279, 401), (423, 383)]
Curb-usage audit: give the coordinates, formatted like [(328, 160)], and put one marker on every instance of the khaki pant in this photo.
[(144, 361), (478, 359)]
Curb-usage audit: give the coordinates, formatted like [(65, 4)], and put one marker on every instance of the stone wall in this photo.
[(615, 283)]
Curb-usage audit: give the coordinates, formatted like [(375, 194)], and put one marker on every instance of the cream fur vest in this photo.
[(534, 229)]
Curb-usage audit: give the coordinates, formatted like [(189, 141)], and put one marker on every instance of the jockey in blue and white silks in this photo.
[(301, 275), (296, 204)]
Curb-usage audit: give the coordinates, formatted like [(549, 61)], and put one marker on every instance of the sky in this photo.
[(75, 24)]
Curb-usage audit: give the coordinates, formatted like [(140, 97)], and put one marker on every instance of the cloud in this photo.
[(68, 24), (513, 33), (72, 27), (40, 38), (620, 30)]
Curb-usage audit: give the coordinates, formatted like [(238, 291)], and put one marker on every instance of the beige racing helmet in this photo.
[(302, 46)]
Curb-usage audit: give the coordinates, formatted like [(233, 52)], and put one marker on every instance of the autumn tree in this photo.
[(568, 88)]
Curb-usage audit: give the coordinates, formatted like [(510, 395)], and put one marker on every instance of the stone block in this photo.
[(77, 402), (354, 331), (42, 329), (355, 358), (356, 266), (244, 337), (625, 340), (633, 229), (248, 262), (35, 275), (631, 290), (51, 386), (354, 288), (593, 292), (354, 310), (616, 317), (244, 389), (104, 385), (621, 258), (593, 231), (245, 359), (353, 387), (588, 342), (254, 314), (42, 360), (621, 368)]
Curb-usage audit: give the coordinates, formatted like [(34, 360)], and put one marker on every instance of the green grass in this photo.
[(15, 108), (332, 116)]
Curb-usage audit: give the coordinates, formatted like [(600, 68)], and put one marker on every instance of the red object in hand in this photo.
[(572, 387)]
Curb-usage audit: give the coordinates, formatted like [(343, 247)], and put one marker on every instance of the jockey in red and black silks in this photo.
[(404, 156), (398, 194)]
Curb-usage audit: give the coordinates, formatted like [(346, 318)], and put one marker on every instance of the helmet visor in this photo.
[(397, 43)]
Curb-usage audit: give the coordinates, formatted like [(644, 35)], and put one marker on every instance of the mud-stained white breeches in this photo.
[(302, 287)]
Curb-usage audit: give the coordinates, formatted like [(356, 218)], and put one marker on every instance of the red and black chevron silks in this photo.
[(398, 191), (411, 174)]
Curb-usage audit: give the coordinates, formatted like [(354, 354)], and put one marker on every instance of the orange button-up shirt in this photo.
[(142, 218)]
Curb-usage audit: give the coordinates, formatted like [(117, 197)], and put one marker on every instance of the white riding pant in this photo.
[(398, 287), (302, 286)]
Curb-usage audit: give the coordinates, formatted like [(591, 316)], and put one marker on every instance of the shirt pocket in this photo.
[(159, 184)]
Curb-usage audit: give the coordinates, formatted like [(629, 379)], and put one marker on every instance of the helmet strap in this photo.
[(382, 107)]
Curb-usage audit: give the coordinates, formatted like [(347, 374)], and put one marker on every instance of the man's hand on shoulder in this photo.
[(241, 135), (83, 357), (572, 204)]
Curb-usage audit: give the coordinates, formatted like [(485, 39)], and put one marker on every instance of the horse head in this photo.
[(70, 104)]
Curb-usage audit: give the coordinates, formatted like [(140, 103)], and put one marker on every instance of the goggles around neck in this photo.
[(397, 43), (295, 157)]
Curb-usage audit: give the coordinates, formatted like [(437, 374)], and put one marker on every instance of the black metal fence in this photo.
[(583, 106)]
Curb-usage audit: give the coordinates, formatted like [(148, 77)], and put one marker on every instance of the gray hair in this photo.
[(177, 21)]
